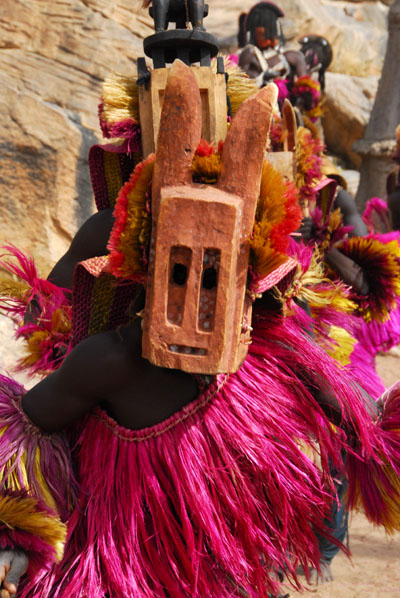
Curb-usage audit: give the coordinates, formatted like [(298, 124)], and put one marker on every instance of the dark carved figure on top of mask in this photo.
[(180, 12)]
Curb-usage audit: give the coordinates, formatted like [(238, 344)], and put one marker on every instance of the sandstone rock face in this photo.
[(53, 58), (347, 108), (54, 55)]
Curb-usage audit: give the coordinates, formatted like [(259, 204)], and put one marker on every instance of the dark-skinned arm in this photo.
[(351, 217), (94, 370), (331, 407), (347, 270), (90, 241), (298, 62), (248, 62)]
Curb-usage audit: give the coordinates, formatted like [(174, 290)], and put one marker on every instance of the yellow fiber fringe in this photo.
[(313, 286), (344, 345), (120, 98), (390, 516), (16, 483), (120, 95), (334, 297), (23, 513), (240, 86), (270, 212), (11, 287)]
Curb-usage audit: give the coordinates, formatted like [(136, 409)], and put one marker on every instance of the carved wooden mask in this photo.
[(197, 313), (285, 160)]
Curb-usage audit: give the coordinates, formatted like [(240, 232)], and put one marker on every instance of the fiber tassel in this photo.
[(119, 108), (381, 336), (28, 524), (131, 230), (359, 362), (374, 483), (380, 263), (239, 86), (377, 336), (36, 483), (218, 497), (47, 337)]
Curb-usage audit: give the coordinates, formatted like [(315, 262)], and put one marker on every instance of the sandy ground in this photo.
[(374, 571)]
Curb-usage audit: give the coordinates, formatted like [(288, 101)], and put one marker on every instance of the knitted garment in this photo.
[(212, 501), (99, 303), (110, 166)]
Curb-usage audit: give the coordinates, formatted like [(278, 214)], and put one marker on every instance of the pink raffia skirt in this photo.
[(215, 499)]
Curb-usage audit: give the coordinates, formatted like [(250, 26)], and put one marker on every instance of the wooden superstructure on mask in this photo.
[(197, 314), (212, 88)]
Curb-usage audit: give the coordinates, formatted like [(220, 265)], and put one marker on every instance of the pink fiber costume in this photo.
[(360, 364), (213, 499), (380, 336), (374, 320)]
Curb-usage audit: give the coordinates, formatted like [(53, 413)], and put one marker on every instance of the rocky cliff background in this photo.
[(54, 55)]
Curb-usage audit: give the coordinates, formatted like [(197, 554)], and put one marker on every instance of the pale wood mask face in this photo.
[(196, 308)]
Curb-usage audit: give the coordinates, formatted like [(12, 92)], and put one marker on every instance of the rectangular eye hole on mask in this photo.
[(180, 259), (208, 289)]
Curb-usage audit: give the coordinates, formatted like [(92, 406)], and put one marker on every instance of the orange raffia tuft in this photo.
[(46, 345), (278, 214), (131, 231), (207, 163)]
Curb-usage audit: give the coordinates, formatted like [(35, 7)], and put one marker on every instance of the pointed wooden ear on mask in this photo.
[(180, 131), (289, 125), (244, 149)]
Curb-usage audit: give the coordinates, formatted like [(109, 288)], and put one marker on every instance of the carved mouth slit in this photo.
[(188, 350)]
